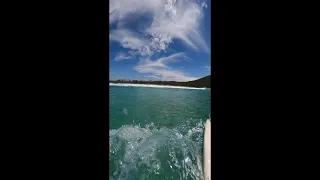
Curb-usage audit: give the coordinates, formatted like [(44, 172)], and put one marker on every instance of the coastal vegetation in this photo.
[(200, 83)]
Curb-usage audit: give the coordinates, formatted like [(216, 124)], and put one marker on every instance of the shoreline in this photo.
[(154, 86)]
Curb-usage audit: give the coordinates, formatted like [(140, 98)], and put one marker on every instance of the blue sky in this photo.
[(166, 40)]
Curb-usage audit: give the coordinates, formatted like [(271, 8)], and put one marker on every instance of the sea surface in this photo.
[(157, 133)]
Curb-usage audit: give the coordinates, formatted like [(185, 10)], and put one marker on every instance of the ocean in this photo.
[(157, 132)]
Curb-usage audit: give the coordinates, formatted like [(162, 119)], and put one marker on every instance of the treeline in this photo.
[(202, 82)]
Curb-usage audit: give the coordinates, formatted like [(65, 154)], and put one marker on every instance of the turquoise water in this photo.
[(157, 133)]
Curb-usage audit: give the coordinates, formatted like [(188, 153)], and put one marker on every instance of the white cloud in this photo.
[(159, 68), (208, 68), (122, 56), (171, 19), (128, 39)]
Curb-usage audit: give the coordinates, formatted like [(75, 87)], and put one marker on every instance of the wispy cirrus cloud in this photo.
[(122, 56), (130, 40), (170, 19), (163, 22), (159, 69)]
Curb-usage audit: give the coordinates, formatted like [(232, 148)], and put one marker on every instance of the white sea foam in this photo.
[(143, 152), (154, 86)]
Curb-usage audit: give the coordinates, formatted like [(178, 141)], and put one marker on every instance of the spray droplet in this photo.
[(125, 111)]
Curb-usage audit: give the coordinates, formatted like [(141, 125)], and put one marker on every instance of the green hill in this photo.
[(202, 82)]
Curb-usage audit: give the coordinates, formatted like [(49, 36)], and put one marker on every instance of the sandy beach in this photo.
[(154, 86)]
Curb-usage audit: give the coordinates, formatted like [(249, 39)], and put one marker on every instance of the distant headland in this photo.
[(199, 83)]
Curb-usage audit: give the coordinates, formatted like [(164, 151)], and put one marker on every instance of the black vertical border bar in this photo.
[(107, 77), (221, 53)]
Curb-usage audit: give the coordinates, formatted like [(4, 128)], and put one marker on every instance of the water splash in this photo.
[(156, 153), (125, 111)]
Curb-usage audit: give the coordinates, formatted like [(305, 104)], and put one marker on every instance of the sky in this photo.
[(167, 40)]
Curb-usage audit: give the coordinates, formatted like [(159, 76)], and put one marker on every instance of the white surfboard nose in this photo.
[(207, 150)]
